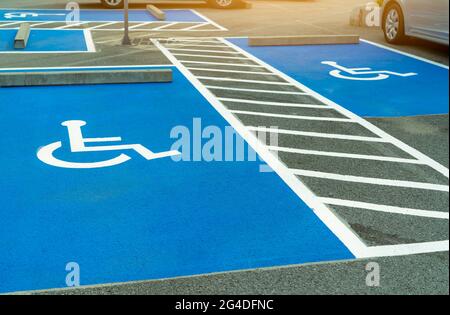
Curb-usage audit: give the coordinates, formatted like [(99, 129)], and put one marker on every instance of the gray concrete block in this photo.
[(303, 40), (84, 77), (21, 39), (157, 13)]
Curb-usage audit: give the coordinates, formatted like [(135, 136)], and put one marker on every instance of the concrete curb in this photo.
[(157, 13), (303, 40), (84, 77), (21, 39)]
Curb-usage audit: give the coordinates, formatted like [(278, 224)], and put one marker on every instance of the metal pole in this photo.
[(126, 38)]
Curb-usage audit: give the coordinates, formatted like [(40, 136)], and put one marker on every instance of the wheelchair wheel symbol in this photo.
[(78, 144)]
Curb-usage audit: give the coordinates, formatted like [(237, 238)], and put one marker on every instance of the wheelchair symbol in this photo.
[(360, 74), (78, 144), (23, 15)]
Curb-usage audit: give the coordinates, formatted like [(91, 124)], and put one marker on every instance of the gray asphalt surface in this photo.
[(418, 274), (399, 275)]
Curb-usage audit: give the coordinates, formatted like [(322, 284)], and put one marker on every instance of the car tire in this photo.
[(393, 24), (223, 4), (113, 4)]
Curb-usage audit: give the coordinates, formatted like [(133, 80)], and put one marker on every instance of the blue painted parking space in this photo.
[(48, 41), (37, 15), (366, 79), (136, 215)]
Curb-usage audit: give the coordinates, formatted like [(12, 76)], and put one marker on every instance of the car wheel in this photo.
[(223, 4), (393, 24), (113, 4)]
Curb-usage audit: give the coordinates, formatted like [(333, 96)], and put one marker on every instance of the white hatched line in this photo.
[(244, 112), (408, 149), (341, 230), (229, 71), (101, 25), (255, 90), (206, 50), (370, 180), (406, 249), (242, 80), (187, 40), (221, 63), (12, 23), (386, 208), (211, 56), (140, 25), (194, 45), (70, 25), (345, 155), (41, 23), (300, 105), (164, 26), (316, 134), (196, 26)]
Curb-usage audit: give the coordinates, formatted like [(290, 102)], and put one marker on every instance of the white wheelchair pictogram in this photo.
[(78, 144), (362, 74), (24, 15)]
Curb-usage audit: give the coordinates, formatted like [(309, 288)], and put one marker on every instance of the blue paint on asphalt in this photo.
[(35, 15), (141, 219), (45, 41), (423, 94)]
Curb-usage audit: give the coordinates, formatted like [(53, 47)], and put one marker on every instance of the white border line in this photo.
[(89, 40), (220, 27), (405, 54)]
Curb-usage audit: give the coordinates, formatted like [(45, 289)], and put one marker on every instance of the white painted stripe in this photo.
[(241, 80), (229, 71), (386, 208), (164, 26), (341, 230), (245, 101), (244, 112), (211, 56), (220, 27), (194, 45), (42, 23), (406, 54), (204, 50), (255, 90), (221, 64), (195, 26), (70, 25), (316, 134), (102, 25), (406, 249), (346, 155), (370, 180), (89, 40), (193, 40), (140, 25), (12, 23), (382, 134)]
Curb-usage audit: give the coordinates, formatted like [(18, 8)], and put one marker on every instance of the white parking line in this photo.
[(211, 56), (204, 50), (316, 134), (245, 101), (346, 155), (371, 180), (230, 71), (386, 208), (244, 112), (241, 80), (255, 90)]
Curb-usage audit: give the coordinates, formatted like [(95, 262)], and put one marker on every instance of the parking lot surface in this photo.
[(358, 172)]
